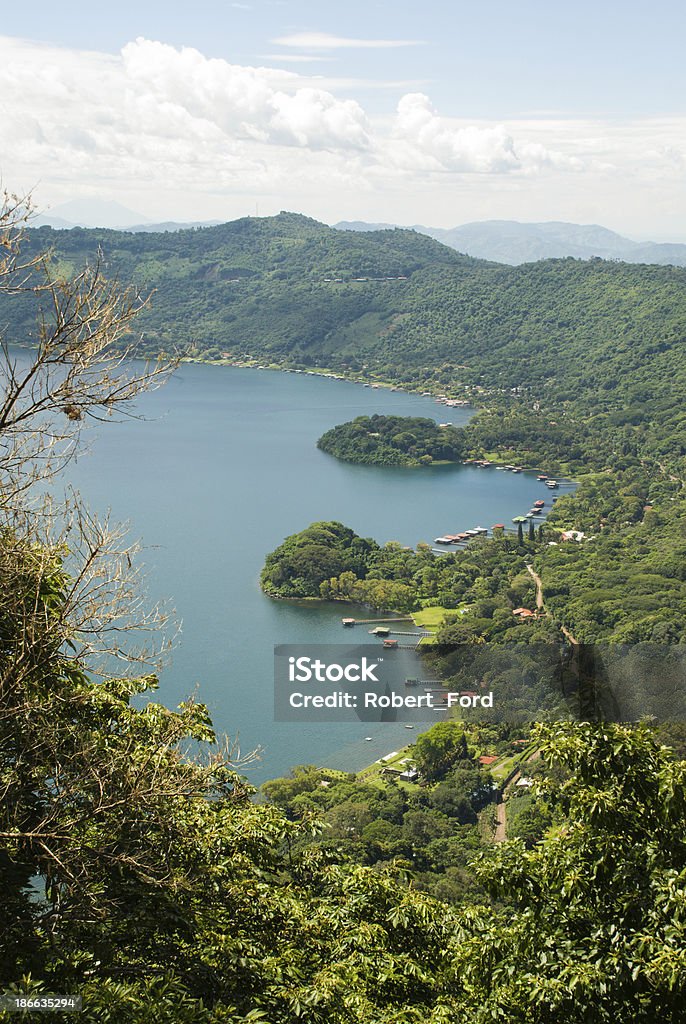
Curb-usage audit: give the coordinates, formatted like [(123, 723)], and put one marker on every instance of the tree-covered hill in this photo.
[(279, 286), (286, 288)]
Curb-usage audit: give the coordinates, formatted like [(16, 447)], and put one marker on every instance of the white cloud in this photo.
[(324, 41), (430, 141), (423, 139), (243, 102), (156, 126), (296, 58)]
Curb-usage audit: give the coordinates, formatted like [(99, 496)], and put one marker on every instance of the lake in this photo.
[(224, 466)]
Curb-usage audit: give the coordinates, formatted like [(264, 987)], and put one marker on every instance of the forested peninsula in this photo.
[(393, 441)]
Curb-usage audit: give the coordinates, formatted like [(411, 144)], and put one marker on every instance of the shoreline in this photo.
[(463, 400)]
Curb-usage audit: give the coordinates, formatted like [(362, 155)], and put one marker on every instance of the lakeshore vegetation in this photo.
[(137, 870)]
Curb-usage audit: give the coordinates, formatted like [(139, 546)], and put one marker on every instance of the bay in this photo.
[(222, 468)]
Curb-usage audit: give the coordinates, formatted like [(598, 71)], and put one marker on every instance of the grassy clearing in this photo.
[(430, 618), (372, 773), (433, 617)]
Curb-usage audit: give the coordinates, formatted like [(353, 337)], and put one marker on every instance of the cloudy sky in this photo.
[(435, 112)]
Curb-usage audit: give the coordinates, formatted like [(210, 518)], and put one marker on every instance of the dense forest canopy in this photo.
[(393, 441)]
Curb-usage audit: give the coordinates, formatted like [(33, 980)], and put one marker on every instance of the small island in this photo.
[(394, 441)]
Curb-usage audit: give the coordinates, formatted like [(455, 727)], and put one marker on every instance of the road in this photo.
[(500, 831), (539, 589), (499, 836), (540, 604)]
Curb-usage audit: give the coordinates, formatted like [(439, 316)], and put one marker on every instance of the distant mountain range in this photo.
[(100, 213), (501, 241), (514, 242)]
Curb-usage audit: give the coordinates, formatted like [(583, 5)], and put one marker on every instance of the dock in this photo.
[(398, 632), (367, 622)]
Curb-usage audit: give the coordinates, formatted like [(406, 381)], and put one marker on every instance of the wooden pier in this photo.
[(378, 622)]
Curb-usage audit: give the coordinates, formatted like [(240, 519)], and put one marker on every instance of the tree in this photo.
[(437, 750), (595, 932)]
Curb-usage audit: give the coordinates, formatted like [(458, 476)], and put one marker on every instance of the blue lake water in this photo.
[(224, 466)]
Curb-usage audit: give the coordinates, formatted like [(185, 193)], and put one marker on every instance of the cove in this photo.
[(221, 469)]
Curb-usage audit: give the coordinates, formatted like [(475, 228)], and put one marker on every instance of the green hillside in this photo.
[(599, 336), (282, 286)]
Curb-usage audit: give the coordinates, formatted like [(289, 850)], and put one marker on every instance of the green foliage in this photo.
[(393, 441), (285, 287), (596, 931), (147, 879), (423, 831), (546, 344), (437, 750), (299, 566)]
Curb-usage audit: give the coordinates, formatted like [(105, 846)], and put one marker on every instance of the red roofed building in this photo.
[(487, 759)]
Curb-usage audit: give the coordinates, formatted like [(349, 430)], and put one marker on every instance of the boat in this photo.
[(543, 476), (368, 739), (539, 504), (442, 540), (409, 727), (551, 484)]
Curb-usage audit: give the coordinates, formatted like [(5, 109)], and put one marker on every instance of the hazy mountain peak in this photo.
[(90, 213)]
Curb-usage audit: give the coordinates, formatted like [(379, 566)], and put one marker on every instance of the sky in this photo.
[(434, 112)]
